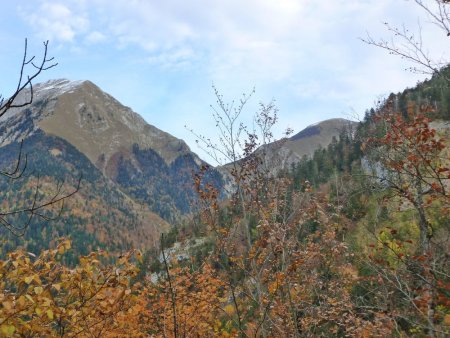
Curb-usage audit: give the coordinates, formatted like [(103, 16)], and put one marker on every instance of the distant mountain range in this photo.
[(137, 179)]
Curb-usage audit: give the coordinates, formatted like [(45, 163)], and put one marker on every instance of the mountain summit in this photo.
[(318, 135), (149, 164), (136, 172), (96, 123)]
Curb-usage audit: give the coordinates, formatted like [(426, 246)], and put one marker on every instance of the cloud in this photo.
[(55, 21), (173, 59), (225, 31), (256, 39), (95, 37)]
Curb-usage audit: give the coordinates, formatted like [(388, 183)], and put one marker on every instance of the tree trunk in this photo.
[(425, 252)]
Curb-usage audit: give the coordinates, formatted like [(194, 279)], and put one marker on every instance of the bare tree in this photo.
[(409, 45), (42, 207)]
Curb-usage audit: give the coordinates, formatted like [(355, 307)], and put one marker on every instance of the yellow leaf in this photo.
[(229, 309), (38, 290), (50, 314), (38, 311), (60, 249), (46, 301), (37, 279), (8, 330), (29, 298), (57, 286), (28, 279), (7, 305), (21, 301)]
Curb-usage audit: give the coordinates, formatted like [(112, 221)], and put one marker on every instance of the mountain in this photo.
[(94, 122), (136, 178), (99, 126), (318, 135), (282, 154), (147, 163)]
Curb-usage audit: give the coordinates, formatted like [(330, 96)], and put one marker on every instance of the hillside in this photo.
[(318, 135), (99, 215), (146, 163), (285, 153), (136, 179)]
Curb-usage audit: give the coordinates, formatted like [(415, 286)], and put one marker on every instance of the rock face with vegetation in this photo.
[(99, 215)]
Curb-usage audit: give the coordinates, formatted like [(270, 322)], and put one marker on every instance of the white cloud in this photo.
[(173, 59), (95, 37), (259, 39), (55, 21)]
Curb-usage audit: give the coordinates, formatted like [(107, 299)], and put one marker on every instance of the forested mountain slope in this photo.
[(145, 162), (133, 175)]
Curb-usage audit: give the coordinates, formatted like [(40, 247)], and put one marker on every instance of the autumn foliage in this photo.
[(413, 172), (280, 263), (40, 296)]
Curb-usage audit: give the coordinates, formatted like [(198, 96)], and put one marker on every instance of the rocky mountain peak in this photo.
[(93, 121), (148, 164), (330, 127), (55, 87)]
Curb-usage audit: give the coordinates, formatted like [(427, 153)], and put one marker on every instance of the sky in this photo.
[(161, 58)]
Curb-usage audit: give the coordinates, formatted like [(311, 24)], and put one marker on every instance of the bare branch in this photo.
[(38, 206), (409, 45), (25, 81)]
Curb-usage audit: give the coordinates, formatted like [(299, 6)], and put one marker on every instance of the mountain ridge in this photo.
[(115, 139), (317, 135), (82, 108)]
